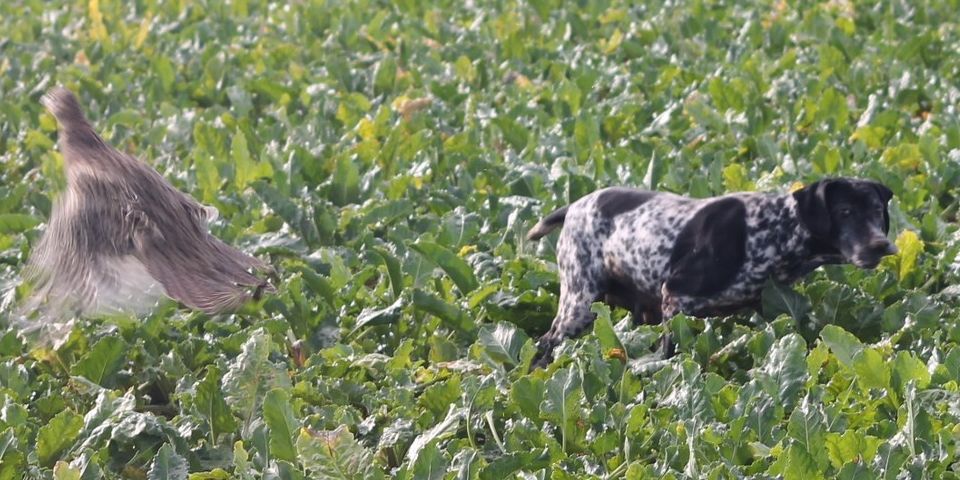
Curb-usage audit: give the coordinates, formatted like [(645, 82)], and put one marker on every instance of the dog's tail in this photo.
[(548, 224)]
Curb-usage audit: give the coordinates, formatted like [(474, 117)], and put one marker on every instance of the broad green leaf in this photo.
[(502, 342), (735, 178), (800, 465), (571, 95), (246, 169), (464, 69), (126, 118), (438, 397), (467, 464), (842, 343), (346, 181), (382, 316), (807, 426), (724, 94), (352, 106), (786, 366), (63, 471), (443, 429), (56, 436), (393, 269), (506, 465), (586, 134), (527, 393), (603, 329), (12, 458), (102, 362), (777, 299), (872, 370), (17, 222), (857, 471), (907, 367), (826, 160), (832, 109), (208, 177), (561, 401), (430, 464), (335, 455), (851, 446), (385, 75), (283, 424), (451, 315), (165, 72), (459, 270), (250, 375), (515, 134), (212, 406), (168, 465), (702, 113)]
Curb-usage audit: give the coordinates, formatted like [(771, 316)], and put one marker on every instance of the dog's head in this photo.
[(849, 215)]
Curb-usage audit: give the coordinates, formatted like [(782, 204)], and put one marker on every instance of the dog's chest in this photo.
[(774, 245)]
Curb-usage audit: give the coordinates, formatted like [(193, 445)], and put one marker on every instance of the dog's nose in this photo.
[(882, 247)]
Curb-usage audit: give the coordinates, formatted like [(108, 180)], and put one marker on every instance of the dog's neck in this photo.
[(802, 252)]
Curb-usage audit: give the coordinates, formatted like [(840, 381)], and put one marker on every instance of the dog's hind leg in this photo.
[(580, 285), (573, 318)]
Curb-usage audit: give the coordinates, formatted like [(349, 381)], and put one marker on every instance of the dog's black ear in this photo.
[(885, 195), (710, 249), (812, 207)]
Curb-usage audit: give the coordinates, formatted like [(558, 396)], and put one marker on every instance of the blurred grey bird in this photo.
[(121, 237)]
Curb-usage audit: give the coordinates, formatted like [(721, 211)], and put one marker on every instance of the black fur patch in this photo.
[(622, 292), (885, 195), (614, 201), (812, 207), (710, 249)]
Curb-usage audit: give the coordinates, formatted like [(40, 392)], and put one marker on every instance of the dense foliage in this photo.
[(387, 158)]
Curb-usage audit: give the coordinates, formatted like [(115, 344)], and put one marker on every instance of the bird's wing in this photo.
[(122, 235)]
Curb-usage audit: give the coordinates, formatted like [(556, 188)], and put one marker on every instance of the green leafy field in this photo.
[(387, 159)]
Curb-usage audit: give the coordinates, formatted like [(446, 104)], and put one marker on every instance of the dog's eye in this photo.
[(846, 212)]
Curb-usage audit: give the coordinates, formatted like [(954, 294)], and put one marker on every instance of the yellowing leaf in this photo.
[(906, 156), (735, 178), (850, 447), (870, 135), (465, 69), (613, 15), (97, 30), (144, 30), (910, 247), (611, 45), (367, 129)]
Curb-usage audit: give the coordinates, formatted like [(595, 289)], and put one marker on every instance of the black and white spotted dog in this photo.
[(659, 254)]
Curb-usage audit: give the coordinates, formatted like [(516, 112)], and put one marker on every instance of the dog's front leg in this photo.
[(669, 308)]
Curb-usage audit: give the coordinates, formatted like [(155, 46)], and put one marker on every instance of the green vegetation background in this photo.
[(387, 158)]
